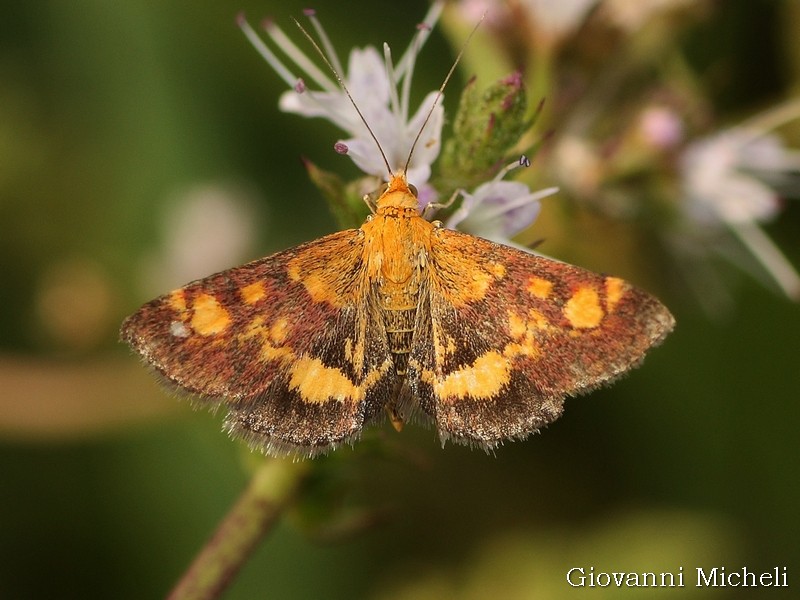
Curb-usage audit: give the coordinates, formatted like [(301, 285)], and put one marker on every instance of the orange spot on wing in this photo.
[(318, 287), (253, 293), (615, 289), (583, 309), (483, 379), (498, 270), (278, 331), (516, 325), (317, 383), (177, 301), (209, 317), (537, 320), (471, 287), (325, 268), (269, 352), (523, 332), (539, 287)]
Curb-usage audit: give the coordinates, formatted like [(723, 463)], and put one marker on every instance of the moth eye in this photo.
[(413, 189)]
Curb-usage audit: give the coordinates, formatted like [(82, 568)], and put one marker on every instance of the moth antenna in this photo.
[(347, 93), (441, 91)]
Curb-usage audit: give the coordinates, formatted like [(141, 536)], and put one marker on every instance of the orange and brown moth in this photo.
[(308, 346), (402, 317)]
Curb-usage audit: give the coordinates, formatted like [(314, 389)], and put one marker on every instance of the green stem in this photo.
[(270, 491)]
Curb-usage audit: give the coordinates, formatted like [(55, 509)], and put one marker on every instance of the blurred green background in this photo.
[(122, 124)]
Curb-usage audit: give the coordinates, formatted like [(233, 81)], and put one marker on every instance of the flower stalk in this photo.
[(271, 490)]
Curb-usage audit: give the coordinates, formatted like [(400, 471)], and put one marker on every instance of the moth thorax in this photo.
[(400, 212)]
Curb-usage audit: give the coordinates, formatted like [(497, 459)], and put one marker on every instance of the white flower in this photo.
[(206, 228), (493, 12), (498, 210), (632, 16), (380, 88), (718, 180), (727, 179), (557, 18)]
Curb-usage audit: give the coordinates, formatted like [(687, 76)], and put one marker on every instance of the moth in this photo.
[(400, 317), (308, 346)]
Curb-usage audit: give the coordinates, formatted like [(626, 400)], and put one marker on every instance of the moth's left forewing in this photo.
[(511, 334), (286, 343)]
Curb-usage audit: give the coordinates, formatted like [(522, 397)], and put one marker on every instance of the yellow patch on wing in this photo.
[(317, 287), (476, 285), (271, 338), (521, 325), (443, 345), (177, 300), (209, 317), (278, 331), (583, 310), (325, 267), (517, 325), (354, 352), (317, 383), (537, 320), (354, 346), (498, 269), (253, 293), (459, 270), (539, 287), (522, 330), (615, 289), (483, 379)]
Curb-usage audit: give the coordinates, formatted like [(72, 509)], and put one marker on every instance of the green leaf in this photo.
[(344, 202)]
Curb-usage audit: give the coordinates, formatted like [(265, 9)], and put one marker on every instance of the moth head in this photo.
[(398, 193)]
